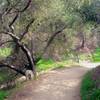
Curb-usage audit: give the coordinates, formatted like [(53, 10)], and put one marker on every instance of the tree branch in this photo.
[(13, 21), (14, 37), (1, 44), (27, 5), (82, 42), (26, 29), (12, 67), (52, 38)]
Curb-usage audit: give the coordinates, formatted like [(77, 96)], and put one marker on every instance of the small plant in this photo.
[(96, 55), (44, 64), (3, 94), (4, 52), (47, 64)]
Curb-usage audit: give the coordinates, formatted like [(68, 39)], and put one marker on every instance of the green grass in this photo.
[(3, 94), (4, 52), (85, 57), (3, 78), (96, 55), (88, 88), (44, 64), (49, 64)]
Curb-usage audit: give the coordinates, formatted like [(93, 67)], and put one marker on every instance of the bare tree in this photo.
[(8, 29)]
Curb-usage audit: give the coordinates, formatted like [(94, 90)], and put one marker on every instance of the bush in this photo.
[(89, 90), (96, 55), (4, 52), (3, 94), (48, 64)]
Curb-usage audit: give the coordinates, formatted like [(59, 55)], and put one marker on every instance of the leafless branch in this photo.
[(82, 38), (14, 37), (26, 29), (11, 67), (14, 19), (41, 39), (9, 9), (53, 37), (1, 44), (81, 46), (26, 7), (12, 22)]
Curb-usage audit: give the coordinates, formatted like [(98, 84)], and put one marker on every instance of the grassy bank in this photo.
[(3, 94), (96, 55), (89, 88), (4, 52), (4, 77), (45, 65)]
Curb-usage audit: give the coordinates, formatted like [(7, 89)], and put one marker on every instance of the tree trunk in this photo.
[(31, 67)]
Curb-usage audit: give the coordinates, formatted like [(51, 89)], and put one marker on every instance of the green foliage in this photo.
[(4, 75), (96, 55), (90, 10), (88, 88), (4, 52), (44, 64), (86, 57), (3, 94)]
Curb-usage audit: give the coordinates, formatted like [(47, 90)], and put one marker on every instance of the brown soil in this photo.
[(60, 84)]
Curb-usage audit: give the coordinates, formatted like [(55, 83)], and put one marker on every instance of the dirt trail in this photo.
[(60, 84)]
